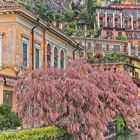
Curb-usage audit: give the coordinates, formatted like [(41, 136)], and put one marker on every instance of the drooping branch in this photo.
[(81, 98)]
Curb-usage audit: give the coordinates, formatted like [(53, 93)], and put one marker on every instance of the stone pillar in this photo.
[(113, 19), (59, 57), (98, 19), (85, 30), (54, 23), (105, 19), (94, 47), (60, 26), (136, 50), (0, 50), (121, 20), (1, 94), (52, 56), (65, 52), (129, 49), (132, 26)]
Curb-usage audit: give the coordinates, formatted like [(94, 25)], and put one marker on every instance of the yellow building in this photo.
[(27, 42)]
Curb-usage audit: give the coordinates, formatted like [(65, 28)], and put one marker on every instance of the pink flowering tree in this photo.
[(80, 98)]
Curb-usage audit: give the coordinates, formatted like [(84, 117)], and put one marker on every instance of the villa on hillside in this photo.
[(121, 19)]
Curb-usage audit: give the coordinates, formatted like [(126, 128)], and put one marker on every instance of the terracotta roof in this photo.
[(9, 4)]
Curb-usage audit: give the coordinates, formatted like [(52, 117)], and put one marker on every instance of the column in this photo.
[(121, 20), (65, 54), (0, 50), (113, 19), (94, 46), (136, 50), (1, 94), (105, 19), (59, 57), (129, 49), (132, 26), (104, 47), (52, 56), (85, 30), (60, 26), (98, 19)]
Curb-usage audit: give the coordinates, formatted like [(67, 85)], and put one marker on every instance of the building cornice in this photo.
[(43, 24), (99, 39)]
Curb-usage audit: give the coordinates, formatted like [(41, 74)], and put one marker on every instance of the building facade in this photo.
[(26, 42), (121, 19), (103, 46)]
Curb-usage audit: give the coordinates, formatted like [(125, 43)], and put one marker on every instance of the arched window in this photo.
[(48, 55), (55, 57), (62, 59)]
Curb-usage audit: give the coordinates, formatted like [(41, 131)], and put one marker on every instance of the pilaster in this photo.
[(52, 56), (0, 50), (105, 19), (121, 20)]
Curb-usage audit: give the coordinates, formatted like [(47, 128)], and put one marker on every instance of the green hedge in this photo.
[(33, 134)]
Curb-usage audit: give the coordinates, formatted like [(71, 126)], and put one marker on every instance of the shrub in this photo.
[(120, 125), (71, 31), (91, 59), (33, 134), (121, 37), (8, 119)]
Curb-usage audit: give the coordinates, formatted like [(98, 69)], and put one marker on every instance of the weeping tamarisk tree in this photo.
[(80, 98)]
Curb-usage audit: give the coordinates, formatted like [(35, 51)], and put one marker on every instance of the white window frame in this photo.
[(26, 41), (37, 46)]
